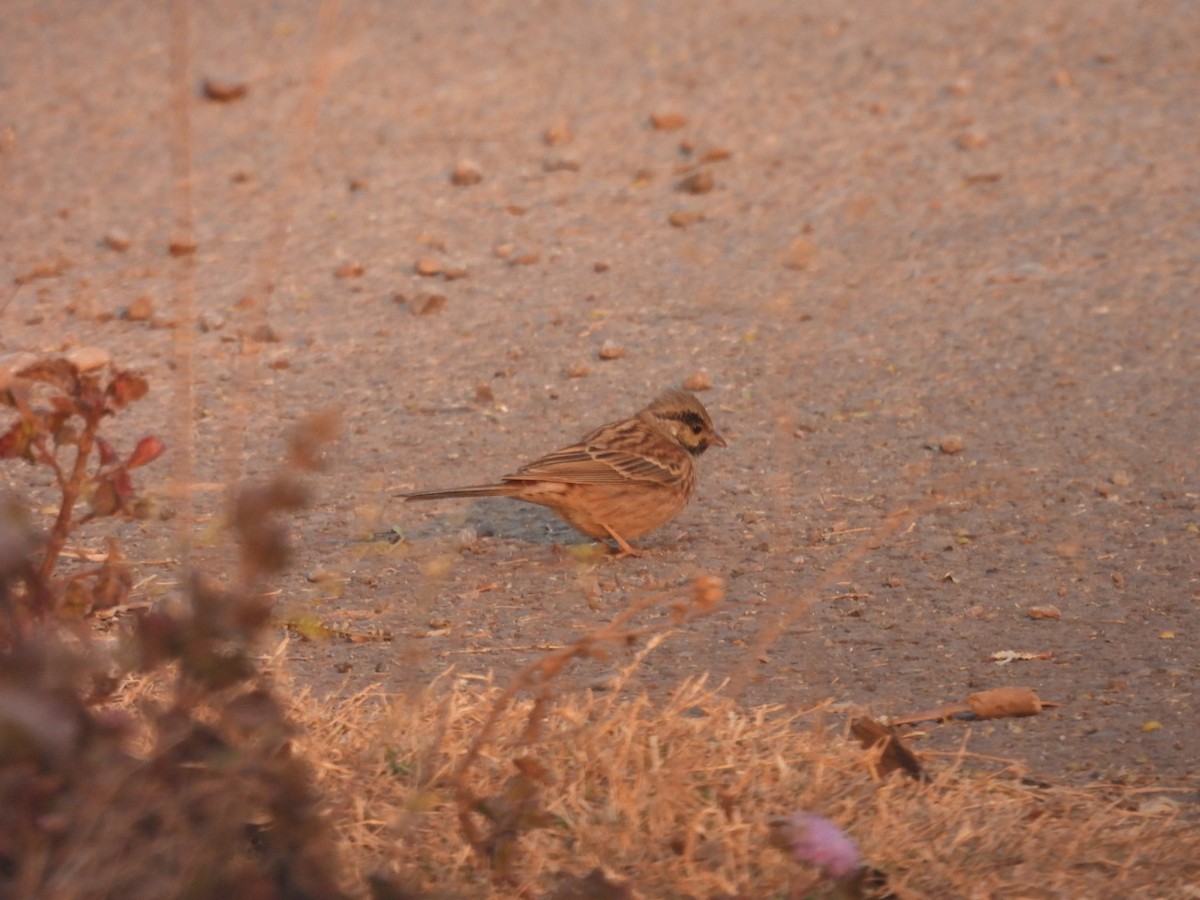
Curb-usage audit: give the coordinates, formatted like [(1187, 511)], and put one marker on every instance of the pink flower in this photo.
[(819, 842)]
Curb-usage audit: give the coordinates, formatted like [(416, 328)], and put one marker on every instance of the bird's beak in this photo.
[(718, 440)]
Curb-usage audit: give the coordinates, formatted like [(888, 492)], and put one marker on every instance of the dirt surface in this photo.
[(927, 222)]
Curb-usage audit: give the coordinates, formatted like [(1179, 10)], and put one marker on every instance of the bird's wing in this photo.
[(590, 462)]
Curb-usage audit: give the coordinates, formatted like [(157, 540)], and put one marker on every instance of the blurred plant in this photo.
[(817, 841), (213, 802), (59, 411), (518, 807)]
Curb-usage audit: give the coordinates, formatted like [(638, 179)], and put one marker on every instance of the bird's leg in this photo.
[(626, 549)]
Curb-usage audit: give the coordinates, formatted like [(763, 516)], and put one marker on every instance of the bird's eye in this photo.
[(696, 429)]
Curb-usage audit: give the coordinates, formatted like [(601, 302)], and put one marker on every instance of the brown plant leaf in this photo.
[(15, 442), (147, 450), (125, 388), (893, 754), (108, 456), (56, 372)]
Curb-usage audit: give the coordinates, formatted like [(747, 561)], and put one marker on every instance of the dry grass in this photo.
[(675, 801)]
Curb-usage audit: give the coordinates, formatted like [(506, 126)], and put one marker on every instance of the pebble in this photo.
[(560, 164), (578, 370), (180, 247), (211, 321), (600, 267), (528, 258), (697, 183), (349, 270), (427, 267), (118, 240), (88, 359), (951, 444), (697, 381), (667, 121), (799, 254), (466, 173), (139, 310), (971, 139), (558, 134), (428, 304), (223, 89), (455, 273), (714, 154), (265, 334), (684, 218), (1044, 612), (611, 350)]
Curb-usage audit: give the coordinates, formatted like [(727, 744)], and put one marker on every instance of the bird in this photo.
[(620, 480)]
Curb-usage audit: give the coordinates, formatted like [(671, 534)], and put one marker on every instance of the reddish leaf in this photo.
[(123, 483), (108, 456), (57, 372), (15, 442), (104, 500), (148, 449), (111, 494), (125, 388)]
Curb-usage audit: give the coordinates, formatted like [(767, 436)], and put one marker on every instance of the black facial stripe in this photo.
[(693, 420)]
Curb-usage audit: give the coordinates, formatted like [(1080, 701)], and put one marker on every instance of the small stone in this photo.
[(116, 239), (428, 304), (697, 381), (951, 444), (713, 154), (971, 139), (504, 251), (560, 164), (349, 270), (959, 87), (427, 267), (466, 539), (466, 173), (1044, 612), (211, 321), (578, 370), (528, 258), (1121, 479), (223, 89), (484, 393), (600, 267), (1062, 79), (455, 273), (558, 134), (611, 350), (88, 359), (140, 310), (667, 121), (799, 254), (697, 183), (279, 363), (684, 218), (265, 334), (181, 247)]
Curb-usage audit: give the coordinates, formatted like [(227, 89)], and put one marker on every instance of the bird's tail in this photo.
[(475, 490)]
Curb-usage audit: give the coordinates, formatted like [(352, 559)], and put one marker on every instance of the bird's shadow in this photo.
[(489, 517)]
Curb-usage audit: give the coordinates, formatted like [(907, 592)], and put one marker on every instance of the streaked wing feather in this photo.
[(589, 463)]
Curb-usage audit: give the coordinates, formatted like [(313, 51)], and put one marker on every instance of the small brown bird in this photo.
[(621, 480)]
